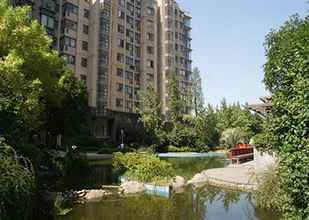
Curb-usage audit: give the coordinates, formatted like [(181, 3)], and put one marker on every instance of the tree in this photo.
[(210, 131), (176, 100), (150, 112), (197, 92), (287, 130), (17, 185), (74, 112), (36, 91), (233, 136)]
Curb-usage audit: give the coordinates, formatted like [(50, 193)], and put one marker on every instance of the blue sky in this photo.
[(228, 37)]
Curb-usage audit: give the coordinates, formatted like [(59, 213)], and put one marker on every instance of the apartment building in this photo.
[(119, 47), (175, 48)]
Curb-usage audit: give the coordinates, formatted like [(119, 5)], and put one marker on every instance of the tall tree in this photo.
[(287, 78), (197, 92), (176, 99), (150, 113)]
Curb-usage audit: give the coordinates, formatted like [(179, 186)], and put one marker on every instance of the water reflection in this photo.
[(206, 203)]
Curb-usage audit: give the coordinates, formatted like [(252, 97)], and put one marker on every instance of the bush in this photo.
[(269, 194), (233, 136), (76, 164), (142, 167), (172, 148), (17, 186)]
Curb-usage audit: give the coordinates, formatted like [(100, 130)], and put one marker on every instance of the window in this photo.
[(70, 24), (129, 92), (129, 61), (84, 62), (129, 106), (150, 24), (85, 29), (137, 78), (49, 5), (136, 93), (85, 45), (129, 48), (150, 77), (137, 38), (119, 72), (121, 3), (129, 75), (119, 87), (138, 25), (150, 50), (138, 52), (130, 22), (70, 8), (120, 14), (69, 59), (150, 63), (69, 42), (150, 11), (120, 57), (86, 13), (120, 28), (120, 43), (150, 36), (130, 36), (47, 21), (119, 102)]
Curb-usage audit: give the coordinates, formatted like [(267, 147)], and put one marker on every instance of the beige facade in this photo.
[(175, 48), (119, 47)]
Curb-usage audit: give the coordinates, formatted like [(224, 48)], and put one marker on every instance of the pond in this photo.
[(204, 203)]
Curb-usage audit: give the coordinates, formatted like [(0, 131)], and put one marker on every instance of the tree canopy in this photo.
[(287, 128)]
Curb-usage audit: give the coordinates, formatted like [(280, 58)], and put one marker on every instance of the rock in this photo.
[(131, 187), (177, 182), (198, 179), (95, 194)]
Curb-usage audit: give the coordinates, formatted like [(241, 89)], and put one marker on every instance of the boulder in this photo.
[(198, 179), (94, 194), (132, 187), (177, 182)]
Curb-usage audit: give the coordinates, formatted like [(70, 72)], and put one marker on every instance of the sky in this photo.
[(228, 38)]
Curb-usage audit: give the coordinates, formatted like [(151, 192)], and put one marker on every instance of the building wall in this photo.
[(175, 48), (119, 47)]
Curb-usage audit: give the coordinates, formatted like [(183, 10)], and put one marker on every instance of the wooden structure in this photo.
[(262, 108), (241, 154)]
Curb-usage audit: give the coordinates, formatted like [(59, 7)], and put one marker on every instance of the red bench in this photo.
[(238, 155)]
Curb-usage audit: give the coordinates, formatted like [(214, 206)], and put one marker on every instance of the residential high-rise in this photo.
[(119, 47), (175, 48)]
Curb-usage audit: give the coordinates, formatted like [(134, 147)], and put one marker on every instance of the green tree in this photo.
[(75, 112), (197, 92), (233, 136), (210, 131), (37, 92), (17, 186), (287, 78), (176, 100), (150, 113)]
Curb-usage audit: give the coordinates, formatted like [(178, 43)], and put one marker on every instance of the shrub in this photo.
[(233, 136), (76, 164), (269, 194), (142, 167), (17, 186)]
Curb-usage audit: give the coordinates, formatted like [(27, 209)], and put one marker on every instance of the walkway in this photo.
[(239, 177)]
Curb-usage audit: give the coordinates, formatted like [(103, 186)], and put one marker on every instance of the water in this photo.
[(207, 203), (192, 204)]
